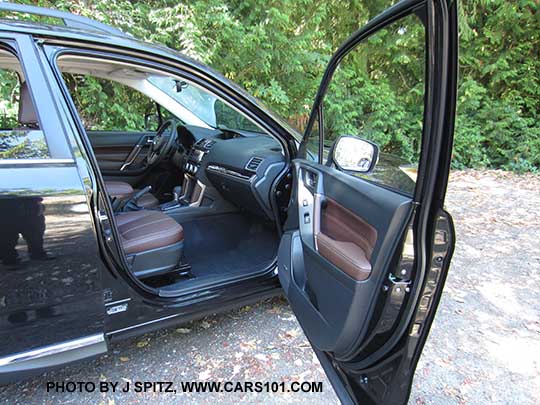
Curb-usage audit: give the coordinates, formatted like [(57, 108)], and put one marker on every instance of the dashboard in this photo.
[(242, 167)]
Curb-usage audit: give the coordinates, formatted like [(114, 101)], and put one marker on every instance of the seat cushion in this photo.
[(145, 230), (122, 190)]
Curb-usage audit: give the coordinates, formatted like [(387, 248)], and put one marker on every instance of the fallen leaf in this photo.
[(249, 345), (292, 333), (236, 369), (143, 343), (261, 357)]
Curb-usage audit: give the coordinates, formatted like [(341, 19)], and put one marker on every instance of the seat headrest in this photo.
[(27, 112)]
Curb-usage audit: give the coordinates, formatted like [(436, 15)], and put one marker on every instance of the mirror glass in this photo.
[(355, 154)]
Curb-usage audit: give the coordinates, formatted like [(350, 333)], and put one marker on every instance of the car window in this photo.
[(20, 133), (203, 104), (377, 93), (106, 105), (113, 96)]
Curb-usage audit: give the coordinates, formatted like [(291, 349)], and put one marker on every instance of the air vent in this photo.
[(254, 163), (205, 143), (208, 143)]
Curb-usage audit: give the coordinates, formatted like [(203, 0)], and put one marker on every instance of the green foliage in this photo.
[(105, 105), (9, 92), (277, 50), (378, 91), (15, 143), (499, 94)]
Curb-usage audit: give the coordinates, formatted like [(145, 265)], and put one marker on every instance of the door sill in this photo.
[(194, 285)]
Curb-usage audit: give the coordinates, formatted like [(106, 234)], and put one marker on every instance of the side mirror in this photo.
[(355, 154)]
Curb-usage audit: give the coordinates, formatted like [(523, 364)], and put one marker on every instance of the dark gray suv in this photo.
[(204, 201)]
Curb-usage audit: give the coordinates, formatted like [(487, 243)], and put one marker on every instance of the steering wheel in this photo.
[(162, 143)]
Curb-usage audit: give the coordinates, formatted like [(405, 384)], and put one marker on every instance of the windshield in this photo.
[(205, 106)]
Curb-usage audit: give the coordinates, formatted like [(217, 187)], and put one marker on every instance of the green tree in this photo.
[(278, 49)]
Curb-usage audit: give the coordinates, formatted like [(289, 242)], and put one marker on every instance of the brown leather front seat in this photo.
[(123, 190), (146, 230)]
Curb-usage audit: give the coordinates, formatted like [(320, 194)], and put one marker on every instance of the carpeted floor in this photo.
[(232, 244)]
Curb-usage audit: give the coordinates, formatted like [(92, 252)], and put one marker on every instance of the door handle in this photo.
[(131, 157), (134, 153), (310, 180)]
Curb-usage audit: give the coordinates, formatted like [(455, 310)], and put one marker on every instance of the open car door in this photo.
[(364, 254)]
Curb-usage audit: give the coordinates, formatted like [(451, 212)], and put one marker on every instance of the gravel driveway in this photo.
[(484, 347)]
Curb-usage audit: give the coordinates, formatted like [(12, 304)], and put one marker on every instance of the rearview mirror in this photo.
[(355, 154)]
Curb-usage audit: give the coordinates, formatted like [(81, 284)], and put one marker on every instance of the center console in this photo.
[(193, 160), (193, 189)]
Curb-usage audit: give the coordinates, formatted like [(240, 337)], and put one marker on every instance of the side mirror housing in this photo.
[(354, 154)]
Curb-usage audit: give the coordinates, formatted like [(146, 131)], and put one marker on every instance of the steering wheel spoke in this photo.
[(163, 141)]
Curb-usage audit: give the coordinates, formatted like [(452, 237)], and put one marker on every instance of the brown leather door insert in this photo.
[(343, 238)]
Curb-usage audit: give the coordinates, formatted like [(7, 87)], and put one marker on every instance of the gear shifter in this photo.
[(177, 193), (175, 202)]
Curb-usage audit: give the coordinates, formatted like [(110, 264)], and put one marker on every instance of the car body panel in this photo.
[(48, 301)]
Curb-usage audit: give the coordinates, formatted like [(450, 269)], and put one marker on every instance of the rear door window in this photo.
[(21, 136)]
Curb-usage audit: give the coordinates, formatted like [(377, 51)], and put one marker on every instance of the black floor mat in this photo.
[(228, 244)]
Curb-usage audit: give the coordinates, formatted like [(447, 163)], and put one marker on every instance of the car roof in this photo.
[(114, 39), (73, 27), (70, 35), (50, 31)]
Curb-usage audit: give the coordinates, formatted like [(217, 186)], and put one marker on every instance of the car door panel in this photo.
[(114, 149), (349, 231), (363, 265)]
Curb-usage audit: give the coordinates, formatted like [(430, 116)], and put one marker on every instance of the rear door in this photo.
[(51, 293), (366, 250)]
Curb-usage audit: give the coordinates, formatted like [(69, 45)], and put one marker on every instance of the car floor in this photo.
[(227, 245)]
